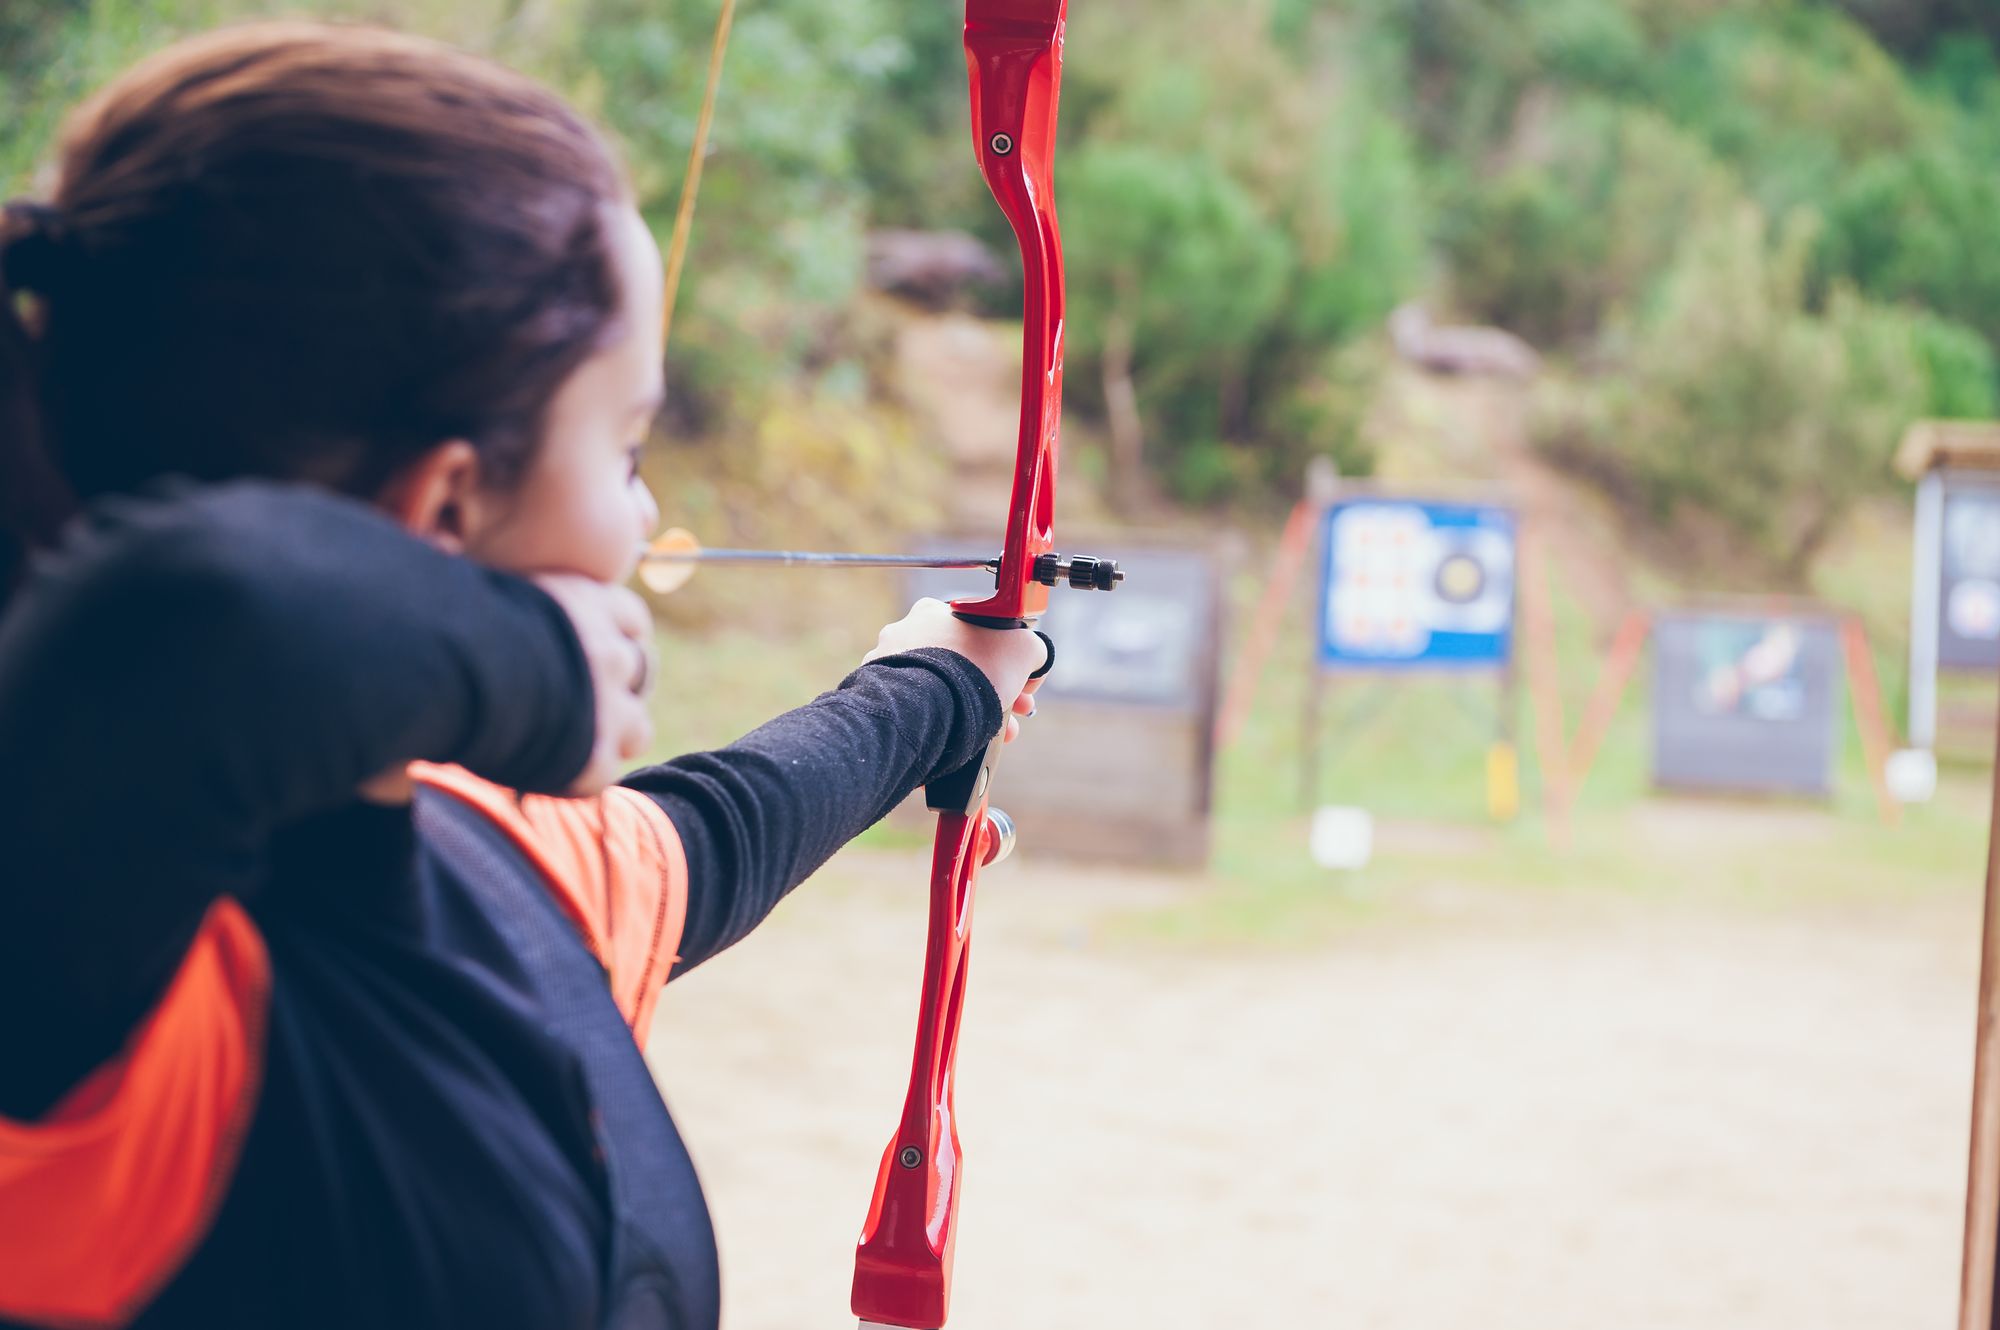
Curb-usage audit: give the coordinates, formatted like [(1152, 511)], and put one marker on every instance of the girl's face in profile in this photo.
[(582, 506)]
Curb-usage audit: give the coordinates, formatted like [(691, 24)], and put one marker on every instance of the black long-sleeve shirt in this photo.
[(192, 689), (761, 815)]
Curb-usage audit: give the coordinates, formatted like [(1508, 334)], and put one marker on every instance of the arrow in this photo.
[(666, 565)]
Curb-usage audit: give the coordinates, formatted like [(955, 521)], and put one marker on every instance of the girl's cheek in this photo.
[(633, 520), (648, 509)]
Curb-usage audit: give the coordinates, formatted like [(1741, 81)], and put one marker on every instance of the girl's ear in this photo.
[(436, 496)]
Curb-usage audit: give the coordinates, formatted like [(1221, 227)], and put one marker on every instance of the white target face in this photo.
[(1383, 560), (1973, 610), (1400, 579), (1968, 604), (1972, 536)]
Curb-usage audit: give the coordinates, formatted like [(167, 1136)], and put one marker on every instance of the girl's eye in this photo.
[(632, 455)]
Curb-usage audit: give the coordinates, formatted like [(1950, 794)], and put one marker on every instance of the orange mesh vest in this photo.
[(104, 1198)]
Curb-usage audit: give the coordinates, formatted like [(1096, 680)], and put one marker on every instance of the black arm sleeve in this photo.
[(758, 817), (195, 668)]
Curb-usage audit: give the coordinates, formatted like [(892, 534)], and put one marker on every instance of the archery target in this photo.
[(1417, 584), (1745, 702), (1969, 593)]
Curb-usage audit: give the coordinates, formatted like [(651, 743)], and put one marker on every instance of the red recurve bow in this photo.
[(902, 1267), (1013, 53)]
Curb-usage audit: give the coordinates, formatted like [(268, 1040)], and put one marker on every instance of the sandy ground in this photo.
[(1573, 1114)]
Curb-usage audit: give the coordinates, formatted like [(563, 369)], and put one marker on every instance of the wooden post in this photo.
[(1309, 756), (1602, 709), (1322, 489), (1503, 759), (1982, 1188), (1864, 693), (1293, 547)]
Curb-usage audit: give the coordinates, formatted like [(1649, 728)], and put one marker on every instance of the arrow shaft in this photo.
[(814, 558)]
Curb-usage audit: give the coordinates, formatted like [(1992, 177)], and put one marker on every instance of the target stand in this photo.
[(1409, 586)]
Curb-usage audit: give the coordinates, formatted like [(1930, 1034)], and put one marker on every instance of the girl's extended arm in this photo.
[(758, 817)]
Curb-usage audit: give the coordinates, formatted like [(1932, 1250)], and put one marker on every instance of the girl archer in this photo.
[(324, 368)]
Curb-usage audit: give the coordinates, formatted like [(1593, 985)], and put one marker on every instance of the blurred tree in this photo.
[(1173, 274), (1923, 227), (912, 135), (1794, 96), (1915, 26), (1737, 398), (1213, 284), (1249, 187), (1583, 224), (778, 244)]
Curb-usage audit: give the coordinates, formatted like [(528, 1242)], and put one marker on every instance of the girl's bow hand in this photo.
[(1006, 656)]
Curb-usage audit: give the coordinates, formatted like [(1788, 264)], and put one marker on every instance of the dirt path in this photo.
[(1630, 1114)]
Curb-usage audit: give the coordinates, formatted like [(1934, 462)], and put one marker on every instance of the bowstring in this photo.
[(677, 248)]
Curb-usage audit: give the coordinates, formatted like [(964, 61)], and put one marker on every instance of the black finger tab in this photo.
[(1050, 663)]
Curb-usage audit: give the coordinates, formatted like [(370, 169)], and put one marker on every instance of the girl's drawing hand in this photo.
[(616, 630)]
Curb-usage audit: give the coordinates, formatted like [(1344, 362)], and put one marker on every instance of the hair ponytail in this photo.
[(34, 501)]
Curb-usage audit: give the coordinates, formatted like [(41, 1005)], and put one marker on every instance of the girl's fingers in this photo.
[(642, 670), (615, 629), (637, 738), (1006, 656), (629, 611)]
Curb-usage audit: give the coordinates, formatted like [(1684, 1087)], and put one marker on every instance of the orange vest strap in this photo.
[(615, 865), (104, 1198)]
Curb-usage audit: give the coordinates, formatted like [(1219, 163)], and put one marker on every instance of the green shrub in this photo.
[(1555, 247), (1923, 228), (1739, 400)]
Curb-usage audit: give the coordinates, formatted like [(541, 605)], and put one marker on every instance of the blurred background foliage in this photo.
[(1751, 239)]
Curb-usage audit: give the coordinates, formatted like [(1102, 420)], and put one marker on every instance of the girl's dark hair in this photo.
[(297, 251)]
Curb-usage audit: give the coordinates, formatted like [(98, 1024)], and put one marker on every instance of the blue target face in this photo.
[(1417, 585)]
